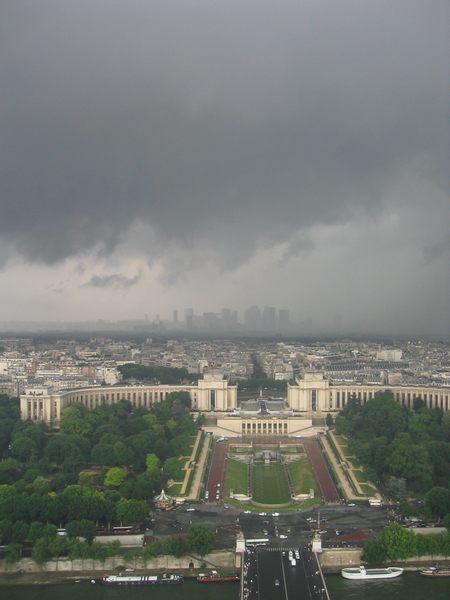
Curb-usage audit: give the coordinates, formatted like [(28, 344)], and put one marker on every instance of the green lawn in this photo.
[(360, 476), (236, 478), (269, 484), (174, 489), (301, 476), (240, 450), (175, 468)]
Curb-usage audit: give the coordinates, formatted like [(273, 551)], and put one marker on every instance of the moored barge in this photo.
[(436, 572), (363, 573), (166, 579), (215, 577)]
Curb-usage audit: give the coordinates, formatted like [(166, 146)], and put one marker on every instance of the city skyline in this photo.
[(163, 155)]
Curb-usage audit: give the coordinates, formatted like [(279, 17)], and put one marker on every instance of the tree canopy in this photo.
[(397, 444), (163, 375)]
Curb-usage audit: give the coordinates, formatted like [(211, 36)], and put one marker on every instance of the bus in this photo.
[(122, 530), (257, 542)]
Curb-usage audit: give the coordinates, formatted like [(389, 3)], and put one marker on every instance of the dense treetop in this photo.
[(103, 465), (404, 449), (156, 374)]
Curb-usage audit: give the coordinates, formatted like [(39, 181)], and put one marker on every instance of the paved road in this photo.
[(269, 575), (326, 485), (217, 472)]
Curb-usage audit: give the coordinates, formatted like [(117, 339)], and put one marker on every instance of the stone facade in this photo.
[(210, 394), (312, 393)]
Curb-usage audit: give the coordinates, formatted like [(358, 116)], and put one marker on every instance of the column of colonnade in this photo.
[(144, 396), (335, 397)]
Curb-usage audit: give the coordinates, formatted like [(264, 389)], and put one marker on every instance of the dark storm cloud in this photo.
[(226, 124), (116, 280)]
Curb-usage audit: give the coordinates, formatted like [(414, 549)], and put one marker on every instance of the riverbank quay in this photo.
[(27, 572), (332, 560)]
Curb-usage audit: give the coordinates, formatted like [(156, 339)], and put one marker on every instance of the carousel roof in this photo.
[(163, 497)]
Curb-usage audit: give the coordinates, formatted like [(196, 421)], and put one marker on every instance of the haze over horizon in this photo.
[(158, 155)]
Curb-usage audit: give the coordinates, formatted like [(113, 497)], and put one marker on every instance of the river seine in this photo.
[(410, 586)]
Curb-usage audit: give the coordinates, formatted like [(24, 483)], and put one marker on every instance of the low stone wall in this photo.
[(222, 559), (334, 559)]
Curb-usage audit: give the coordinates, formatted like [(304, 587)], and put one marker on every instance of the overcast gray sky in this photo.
[(208, 153)]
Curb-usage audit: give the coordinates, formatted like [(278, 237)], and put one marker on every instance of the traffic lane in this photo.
[(297, 583), (312, 573), (217, 471), (322, 475), (270, 571), (250, 587)]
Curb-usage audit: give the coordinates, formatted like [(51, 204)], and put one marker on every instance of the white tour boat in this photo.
[(363, 573)]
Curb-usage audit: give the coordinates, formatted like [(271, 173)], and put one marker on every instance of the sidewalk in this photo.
[(343, 483), (199, 469), (351, 470)]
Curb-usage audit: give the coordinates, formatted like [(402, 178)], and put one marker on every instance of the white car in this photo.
[(283, 537), (297, 554), (247, 512), (190, 510), (275, 514)]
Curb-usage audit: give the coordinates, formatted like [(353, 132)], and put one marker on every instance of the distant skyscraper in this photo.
[(283, 318), (252, 318), (189, 317), (268, 318), (225, 315), (210, 320), (175, 316)]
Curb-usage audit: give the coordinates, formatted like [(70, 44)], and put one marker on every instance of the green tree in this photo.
[(8, 500), (123, 454), (41, 485), (103, 454), (23, 448), (40, 553), (58, 546), (152, 463), (176, 546), (19, 532), (200, 539), (398, 542), (5, 531), (35, 531), (10, 471), (410, 461), (437, 502), (50, 531), (396, 487), (329, 421), (13, 552), (131, 511), (446, 522), (74, 420), (82, 528), (374, 552), (115, 477)]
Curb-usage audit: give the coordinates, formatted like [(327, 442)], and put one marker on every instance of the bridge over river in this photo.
[(268, 574)]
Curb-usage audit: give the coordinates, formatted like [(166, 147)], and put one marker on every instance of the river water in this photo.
[(410, 586)]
